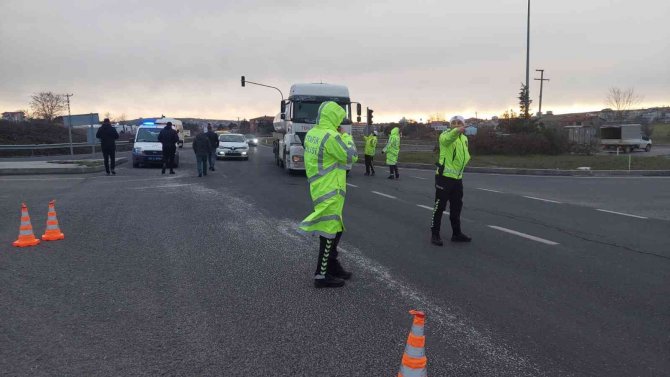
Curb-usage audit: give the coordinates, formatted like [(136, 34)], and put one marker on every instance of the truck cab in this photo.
[(298, 115)]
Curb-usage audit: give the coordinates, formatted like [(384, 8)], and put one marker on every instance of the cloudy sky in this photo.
[(402, 58)]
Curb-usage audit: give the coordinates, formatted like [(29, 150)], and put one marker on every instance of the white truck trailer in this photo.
[(298, 115), (624, 137)]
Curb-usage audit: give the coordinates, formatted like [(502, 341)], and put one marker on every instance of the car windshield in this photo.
[(250, 136), (232, 138), (148, 135)]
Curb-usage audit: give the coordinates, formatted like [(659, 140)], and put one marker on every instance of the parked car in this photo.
[(251, 139), (232, 146), (147, 150)]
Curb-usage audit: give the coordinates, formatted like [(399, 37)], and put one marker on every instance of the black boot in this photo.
[(336, 270), (327, 281), (435, 239), (460, 237), (322, 276), (391, 176), (172, 171)]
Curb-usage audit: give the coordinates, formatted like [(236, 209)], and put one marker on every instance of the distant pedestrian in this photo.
[(169, 139), (454, 155), (370, 151), (108, 136), (214, 142), (392, 149), (202, 148)]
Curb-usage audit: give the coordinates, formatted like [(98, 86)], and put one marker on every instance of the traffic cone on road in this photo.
[(26, 235), (53, 232), (414, 358)]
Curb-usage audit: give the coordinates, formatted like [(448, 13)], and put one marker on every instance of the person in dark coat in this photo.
[(214, 142), (202, 148), (169, 139), (108, 135)]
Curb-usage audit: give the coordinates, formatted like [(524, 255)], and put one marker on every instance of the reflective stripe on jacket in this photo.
[(454, 154), (326, 159)]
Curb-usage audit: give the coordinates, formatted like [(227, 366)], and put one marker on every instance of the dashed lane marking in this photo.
[(420, 178), (384, 195), (542, 200), (429, 208), (622, 214), (163, 186), (489, 190), (350, 185), (524, 235)]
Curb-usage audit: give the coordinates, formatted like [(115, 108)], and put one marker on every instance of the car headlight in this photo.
[(255, 141), (297, 158), (244, 153), (137, 150)]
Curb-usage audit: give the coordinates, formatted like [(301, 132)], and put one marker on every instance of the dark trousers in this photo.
[(394, 170), (202, 164), (168, 157), (109, 155), (369, 166), (212, 158), (327, 253), (451, 190)]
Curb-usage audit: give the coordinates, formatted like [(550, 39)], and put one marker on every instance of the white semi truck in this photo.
[(298, 115), (625, 137)]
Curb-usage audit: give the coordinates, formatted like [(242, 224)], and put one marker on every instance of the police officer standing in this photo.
[(326, 159), (108, 135), (169, 138), (454, 155), (214, 143), (370, 150)]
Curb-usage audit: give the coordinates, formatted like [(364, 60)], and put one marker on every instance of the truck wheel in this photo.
[(647, 148)]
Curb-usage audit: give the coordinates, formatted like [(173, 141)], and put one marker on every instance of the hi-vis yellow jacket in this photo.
[(326, 159), (454, 154)]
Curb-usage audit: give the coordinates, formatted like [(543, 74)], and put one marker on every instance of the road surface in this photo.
[(180, 275)]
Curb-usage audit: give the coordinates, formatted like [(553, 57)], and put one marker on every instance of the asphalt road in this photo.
[(180, 275)]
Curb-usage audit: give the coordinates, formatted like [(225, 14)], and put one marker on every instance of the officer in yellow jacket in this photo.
[(370, 150), (327, 158), (454, 155)]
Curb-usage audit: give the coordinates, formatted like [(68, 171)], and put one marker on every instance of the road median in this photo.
[(55, 167)]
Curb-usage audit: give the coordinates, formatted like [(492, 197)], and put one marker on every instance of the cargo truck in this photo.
[(298, 115), (624, 137)]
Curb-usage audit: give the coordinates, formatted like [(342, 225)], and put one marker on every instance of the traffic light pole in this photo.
[(244, 81)]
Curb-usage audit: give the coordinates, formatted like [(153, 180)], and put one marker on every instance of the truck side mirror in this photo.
[(283, 116)]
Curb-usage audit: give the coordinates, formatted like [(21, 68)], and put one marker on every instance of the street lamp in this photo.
[(528, 61)]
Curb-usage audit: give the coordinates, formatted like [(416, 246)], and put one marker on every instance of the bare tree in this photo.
[(622, 100), (121, 118), (109, 116), (47, 105)]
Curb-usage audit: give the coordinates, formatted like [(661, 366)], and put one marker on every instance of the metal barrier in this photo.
[(26, 147)]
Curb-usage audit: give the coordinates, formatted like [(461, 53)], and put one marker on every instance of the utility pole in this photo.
[(528, 61), (69, 119), (541, 80)]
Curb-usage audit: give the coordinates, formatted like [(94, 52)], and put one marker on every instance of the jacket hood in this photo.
[(330, 116), (167, 127), (395, 131)]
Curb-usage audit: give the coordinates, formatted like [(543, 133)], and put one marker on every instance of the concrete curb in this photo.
[(57, 169), (548, 172)]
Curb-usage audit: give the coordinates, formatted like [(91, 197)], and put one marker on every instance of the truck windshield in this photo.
[(148, 135), (307, 111)]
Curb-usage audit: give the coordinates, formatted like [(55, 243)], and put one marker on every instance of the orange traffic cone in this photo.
[(414, 359), (53, 232), (26, 235)]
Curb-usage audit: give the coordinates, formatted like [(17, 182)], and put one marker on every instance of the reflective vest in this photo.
[(349, 141), (454, 154), (370, 145), (392, 148), (327, 156)]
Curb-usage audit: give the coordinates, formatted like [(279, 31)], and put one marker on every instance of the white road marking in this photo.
[(350, 185), (622, 214), (420, 178), (524, 235), (384, 195), (163, 186), (542, 200), (430, 208), (489, 190)]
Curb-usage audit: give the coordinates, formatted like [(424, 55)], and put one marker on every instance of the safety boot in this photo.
[(327, 281), (436, 240), (335, 269), (460, 237)]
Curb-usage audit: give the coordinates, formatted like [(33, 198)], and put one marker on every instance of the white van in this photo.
[(147, 150)]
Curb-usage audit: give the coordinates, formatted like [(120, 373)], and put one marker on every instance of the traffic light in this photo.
[(370, 111), (243, 81)]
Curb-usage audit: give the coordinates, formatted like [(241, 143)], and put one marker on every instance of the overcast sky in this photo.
[(402, 58)]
